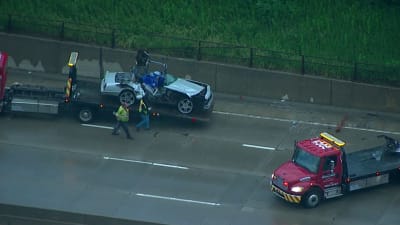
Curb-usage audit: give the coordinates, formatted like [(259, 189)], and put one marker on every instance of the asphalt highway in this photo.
[(181, 172)]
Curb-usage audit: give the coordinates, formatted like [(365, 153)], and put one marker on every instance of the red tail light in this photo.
[(377, 173), (285, 183)]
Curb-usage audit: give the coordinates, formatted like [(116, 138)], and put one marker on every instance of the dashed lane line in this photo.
[(96, 126), (148, 163), (178, 199), (259, 147)]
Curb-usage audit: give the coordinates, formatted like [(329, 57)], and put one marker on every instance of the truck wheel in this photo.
[(185, 106), (312, 198), (127, 96), (85, 115)]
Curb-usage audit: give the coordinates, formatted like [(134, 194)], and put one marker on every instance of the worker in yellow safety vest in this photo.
[(144, 115), (122, 116)]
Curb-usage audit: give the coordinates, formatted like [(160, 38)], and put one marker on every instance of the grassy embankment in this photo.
[(359, 30)]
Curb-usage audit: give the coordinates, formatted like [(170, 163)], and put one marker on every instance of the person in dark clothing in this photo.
[(142, 57), (142, 60)]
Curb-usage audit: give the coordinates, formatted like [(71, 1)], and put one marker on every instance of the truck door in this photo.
[(331, 171)]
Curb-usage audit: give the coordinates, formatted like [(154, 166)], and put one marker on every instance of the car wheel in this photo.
[(185, 106), (127, 96), (85, 115), (312, 198)]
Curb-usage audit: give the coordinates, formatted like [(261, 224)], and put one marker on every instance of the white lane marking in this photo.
[(96, 126), (170, 166), (257, 146), (305, 122), (148, 163), (178, 199)]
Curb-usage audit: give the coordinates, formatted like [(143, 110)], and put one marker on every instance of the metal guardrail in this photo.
[(204, 50)]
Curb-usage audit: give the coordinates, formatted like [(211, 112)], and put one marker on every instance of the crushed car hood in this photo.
[(186, 87)]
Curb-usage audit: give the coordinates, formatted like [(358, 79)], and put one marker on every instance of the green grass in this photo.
[(365, 31)]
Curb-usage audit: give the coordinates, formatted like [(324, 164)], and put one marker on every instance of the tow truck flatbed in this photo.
[(368, 162), (82, 97)]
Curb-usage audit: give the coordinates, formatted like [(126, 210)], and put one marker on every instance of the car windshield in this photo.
[(306, 160), (169, 79), (123, 77)]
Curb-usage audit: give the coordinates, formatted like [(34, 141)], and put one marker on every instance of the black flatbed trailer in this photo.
[(90, 103), (87, 102)]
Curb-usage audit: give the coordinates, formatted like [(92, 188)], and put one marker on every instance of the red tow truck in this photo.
[(321, 169)]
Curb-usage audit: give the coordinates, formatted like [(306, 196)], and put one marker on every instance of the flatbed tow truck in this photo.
[(79, 97), (321, 169)]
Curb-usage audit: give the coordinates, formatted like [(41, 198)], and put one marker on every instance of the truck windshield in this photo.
[(306, 160)]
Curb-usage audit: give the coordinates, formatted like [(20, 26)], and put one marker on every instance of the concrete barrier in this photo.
[(15, 215), (370, 97), (46, 55)]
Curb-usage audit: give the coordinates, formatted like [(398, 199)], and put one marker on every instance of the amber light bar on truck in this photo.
[(332, 139)]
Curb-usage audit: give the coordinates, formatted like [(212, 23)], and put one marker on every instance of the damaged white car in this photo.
[(160, 88)]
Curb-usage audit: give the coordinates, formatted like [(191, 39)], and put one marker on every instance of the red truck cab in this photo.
[(315, 166)]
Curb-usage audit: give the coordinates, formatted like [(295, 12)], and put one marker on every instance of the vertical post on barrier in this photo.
[(355, 73), (9, 23), (303, 68), (101, 63), (113, 38), (199, 50), (251, 58), (62, 30)]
